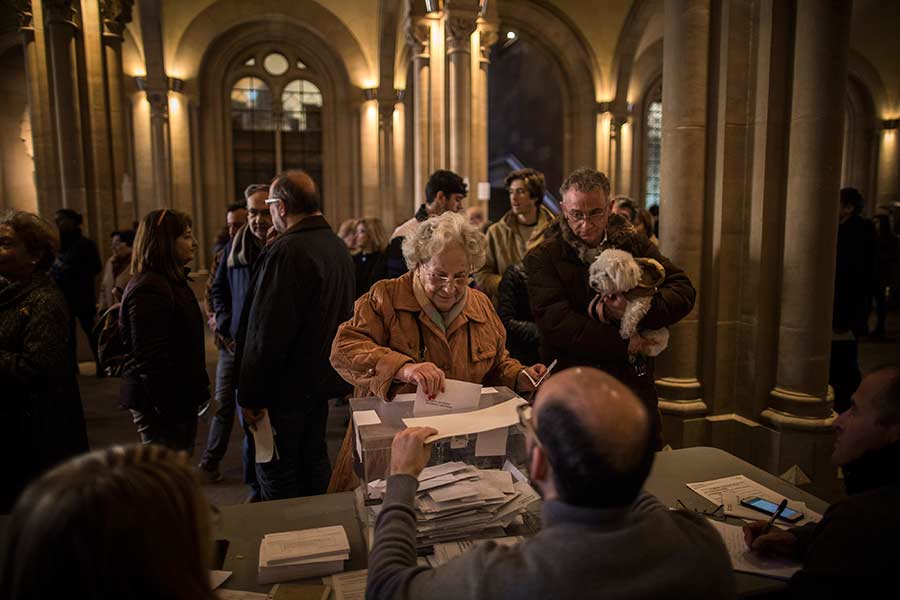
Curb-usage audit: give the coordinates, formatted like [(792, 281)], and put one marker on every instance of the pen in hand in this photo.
[(778, 512)]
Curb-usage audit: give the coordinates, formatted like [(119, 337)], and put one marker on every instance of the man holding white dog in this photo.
[(581, 327)]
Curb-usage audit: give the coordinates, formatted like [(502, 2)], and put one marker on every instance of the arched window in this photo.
[(276, 119), (653, 152)]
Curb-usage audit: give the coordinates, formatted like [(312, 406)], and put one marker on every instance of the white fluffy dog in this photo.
[(618, 272)]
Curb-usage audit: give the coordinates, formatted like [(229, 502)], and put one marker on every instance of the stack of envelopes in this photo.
[(456, 500), (300, 554)]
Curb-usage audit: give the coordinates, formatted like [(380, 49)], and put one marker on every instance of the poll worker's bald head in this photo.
[(297, 190), (597, 436)]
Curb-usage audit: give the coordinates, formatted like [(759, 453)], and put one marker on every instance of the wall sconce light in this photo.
[(890, 123), (141, 83), (370, 93), (175, 84)]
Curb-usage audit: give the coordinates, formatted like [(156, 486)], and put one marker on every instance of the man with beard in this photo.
[(602, 537)]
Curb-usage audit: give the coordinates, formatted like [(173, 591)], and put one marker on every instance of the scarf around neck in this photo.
[(441, 319), (245, 248)]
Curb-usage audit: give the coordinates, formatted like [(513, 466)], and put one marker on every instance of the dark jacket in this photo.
[(560, 293), (74, 271), (855, 275), (855, 543), (396, 264), (229, 292), (370, 268), (641, 551), (41, 409), (303, 290), (162, 328), (523, 339)]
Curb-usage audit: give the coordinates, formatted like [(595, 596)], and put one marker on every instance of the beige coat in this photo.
[(384, 335), (506, 247)]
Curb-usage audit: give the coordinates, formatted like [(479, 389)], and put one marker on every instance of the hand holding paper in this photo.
[(426, 375), (409, 452)]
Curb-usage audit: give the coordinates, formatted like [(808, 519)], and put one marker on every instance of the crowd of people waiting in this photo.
[(302, 314)]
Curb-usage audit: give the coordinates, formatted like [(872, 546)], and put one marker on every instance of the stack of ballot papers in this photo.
[(300, 554), (455, 501)]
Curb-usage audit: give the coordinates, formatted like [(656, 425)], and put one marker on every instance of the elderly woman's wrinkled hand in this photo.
[(529, 376), (425, 375)]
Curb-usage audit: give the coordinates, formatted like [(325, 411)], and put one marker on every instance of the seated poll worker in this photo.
[(425, 326), (854, 547), (579, 327), (602, 537)]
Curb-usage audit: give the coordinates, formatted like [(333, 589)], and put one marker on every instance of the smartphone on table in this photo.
[(764, 506)]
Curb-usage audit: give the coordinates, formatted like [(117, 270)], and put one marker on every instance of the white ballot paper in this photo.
[(486, 419), (217, 578), (457, 396), (363, 417), (264, 440), (491, 443), (348, 586), (747, 561), (729, 491)]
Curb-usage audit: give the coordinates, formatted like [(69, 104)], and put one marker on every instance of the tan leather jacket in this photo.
[(389, 329), (507, 247)]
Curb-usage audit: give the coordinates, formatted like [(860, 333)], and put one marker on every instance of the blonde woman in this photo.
[(347, 232), (371, 257), (126, 522)]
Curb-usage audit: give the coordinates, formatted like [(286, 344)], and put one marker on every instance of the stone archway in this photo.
[(340, 113), (547, 29)]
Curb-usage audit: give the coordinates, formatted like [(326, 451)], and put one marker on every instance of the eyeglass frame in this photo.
[(706, 513), (527, 422), (591, 216), (443, 281), (273, 200)]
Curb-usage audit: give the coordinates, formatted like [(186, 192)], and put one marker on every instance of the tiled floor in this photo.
[(108, 424)]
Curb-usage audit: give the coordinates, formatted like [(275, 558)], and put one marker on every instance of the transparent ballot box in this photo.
[(375, 422)]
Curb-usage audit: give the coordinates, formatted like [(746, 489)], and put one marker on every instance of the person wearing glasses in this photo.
[(578, 327), (517, 232), (164, 379), (302, 290), (426, 326), (602, 537)]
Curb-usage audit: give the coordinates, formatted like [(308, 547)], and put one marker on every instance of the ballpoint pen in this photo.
[(778, 512)]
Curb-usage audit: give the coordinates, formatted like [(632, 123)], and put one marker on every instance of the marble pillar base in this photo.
[(681, 396), (800, 405)]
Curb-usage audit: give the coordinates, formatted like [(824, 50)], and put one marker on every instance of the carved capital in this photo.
[(487, 38), (459, 33), (23, 14), (418, 36), (159, 104), (60, 11), (116, 14)]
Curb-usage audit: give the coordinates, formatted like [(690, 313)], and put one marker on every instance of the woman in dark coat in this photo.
[(523, 339), (41, 407), (164, 381)]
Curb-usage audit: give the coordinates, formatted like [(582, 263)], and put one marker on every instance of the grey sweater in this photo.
[(645, 551)]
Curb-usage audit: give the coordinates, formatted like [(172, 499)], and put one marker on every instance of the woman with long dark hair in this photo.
[(126, 522), (164, 381)]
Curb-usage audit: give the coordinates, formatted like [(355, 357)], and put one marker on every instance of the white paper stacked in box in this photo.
[(456, 500), (299, 554)]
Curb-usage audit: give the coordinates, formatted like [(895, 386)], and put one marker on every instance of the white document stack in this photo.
[(300, 554), (456, 501)]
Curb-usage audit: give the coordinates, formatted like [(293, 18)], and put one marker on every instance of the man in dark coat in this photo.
[(74, 271), (852, 550), (303, 290), (577, 327)]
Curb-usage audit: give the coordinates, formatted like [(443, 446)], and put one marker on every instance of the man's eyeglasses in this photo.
[(579, 217), (272, 200), (525, 420), (714, 514)]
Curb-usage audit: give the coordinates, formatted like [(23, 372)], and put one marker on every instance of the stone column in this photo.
[(459, 82), (37, 71), (487, 37), (801, 398), (418, 36), (159, 146), (683, 173), (387, 186), (116, 14), (61, 30)]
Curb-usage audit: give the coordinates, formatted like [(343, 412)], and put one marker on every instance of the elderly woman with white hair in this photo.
[(428, 324)]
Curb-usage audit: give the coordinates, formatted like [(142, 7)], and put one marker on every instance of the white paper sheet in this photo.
[(363, 417), (349, 586), (457, 396), (747, 561), (442, 469), (486, 419), (491, 443), (734, 489), (444, 553), (264, 439), (217, 578), (488, 390)]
